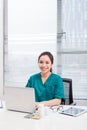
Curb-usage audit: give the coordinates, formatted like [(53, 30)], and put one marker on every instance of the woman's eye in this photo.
[(47, 62), (41, 62)]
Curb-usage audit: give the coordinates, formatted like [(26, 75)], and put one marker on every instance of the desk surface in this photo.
[(10, 120)]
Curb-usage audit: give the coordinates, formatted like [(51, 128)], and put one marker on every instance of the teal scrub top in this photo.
[(52, 88)]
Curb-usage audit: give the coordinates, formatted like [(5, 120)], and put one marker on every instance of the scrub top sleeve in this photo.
[(29, 84), (59, 88)]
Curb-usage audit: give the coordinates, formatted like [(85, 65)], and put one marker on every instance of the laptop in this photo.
[(19, 99), (73, 111)]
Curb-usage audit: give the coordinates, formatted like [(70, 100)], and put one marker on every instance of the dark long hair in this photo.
[(49, 55)]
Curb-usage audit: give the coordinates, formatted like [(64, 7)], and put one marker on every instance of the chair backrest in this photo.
[(68, 91)]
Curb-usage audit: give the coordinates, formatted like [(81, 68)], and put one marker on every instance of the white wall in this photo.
[(32, 16), (1, 48)]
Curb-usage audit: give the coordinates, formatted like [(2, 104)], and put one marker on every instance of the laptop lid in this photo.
[(19, 99)]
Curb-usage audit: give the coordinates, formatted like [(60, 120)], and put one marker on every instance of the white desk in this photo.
[(10, 120)]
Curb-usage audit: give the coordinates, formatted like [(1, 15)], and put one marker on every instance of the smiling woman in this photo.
[(48, 85)]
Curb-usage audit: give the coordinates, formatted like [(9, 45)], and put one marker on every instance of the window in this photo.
[(73, 48)]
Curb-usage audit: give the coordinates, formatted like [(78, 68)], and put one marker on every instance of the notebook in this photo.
[(73, 111), (19, 99)]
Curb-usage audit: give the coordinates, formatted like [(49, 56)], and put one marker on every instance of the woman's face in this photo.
[(45, 64)]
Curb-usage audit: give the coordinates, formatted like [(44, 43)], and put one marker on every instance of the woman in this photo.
[(48, 86)]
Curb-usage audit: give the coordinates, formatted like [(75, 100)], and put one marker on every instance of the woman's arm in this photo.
[(53, 102)]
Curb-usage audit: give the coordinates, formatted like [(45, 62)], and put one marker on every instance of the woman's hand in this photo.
[(37, 104), (53, 102)]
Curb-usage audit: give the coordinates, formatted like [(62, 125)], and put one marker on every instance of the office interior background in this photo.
[(28, 28)]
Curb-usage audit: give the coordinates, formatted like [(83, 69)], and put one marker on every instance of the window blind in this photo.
[(74, 45)]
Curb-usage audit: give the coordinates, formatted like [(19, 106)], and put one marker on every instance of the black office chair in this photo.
[(68, 92)]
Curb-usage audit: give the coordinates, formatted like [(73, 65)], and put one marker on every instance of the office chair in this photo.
[(68, 92)]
